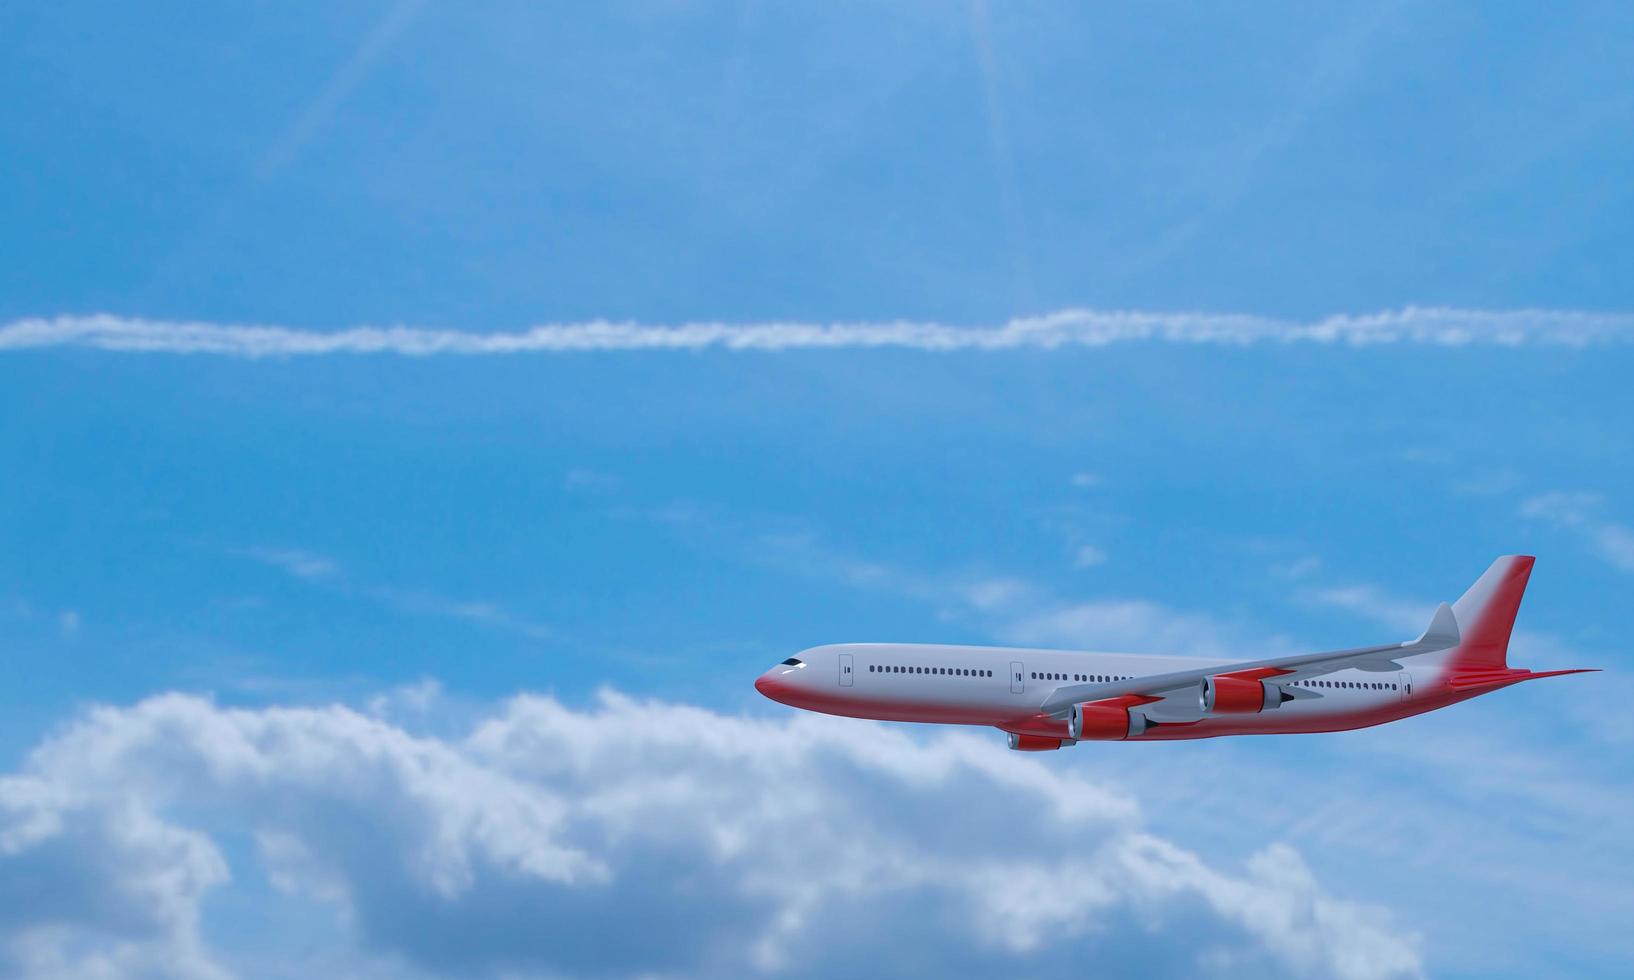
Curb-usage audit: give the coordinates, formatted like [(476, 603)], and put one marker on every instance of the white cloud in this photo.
[(1434, 326), (1578, 512), (1569, 509), (1407, 616), (1007, 608), (318, 569), (629, 838), (1089, 556), (584, 479), (299, 563), (478, 611), (1299, 568), (1136, 626)]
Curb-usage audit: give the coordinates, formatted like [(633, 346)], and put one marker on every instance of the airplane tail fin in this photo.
[(1486, 614), (1485, 617)]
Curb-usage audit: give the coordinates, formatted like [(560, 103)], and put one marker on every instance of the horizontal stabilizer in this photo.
[(1463, 680)]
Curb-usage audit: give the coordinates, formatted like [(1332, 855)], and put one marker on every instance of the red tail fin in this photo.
[(1486, 614)]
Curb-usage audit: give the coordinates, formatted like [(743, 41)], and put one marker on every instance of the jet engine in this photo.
[(1036, 743), (1227, 695), (1105, 721)]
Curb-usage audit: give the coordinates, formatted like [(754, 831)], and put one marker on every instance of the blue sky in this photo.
[(434, 661)]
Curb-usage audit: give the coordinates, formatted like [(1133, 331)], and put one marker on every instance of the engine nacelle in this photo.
[(1227, 695), (1036, 743), (1104, 721)]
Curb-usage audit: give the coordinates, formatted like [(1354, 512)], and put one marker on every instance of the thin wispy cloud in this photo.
[(297, 562), (382, 35), (478, 611), (1579, 512), (1373, 603), (1089, 556), (1007, 608), (1072, 328), (325, 571)]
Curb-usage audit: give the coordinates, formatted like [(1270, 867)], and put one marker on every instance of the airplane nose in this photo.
[(774, 687)]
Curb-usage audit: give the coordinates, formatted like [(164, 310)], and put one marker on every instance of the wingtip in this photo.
[(1442, 631)]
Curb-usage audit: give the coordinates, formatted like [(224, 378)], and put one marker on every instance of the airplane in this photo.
[(1049, 699)]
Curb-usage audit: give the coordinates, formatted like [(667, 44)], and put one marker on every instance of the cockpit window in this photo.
[(792, 662)]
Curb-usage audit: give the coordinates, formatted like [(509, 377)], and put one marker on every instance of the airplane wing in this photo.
[(1441, 634)]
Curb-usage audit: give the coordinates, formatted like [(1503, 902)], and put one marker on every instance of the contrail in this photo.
[(1426, 326)]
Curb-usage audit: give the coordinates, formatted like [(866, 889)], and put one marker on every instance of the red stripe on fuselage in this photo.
[(1030, 721)]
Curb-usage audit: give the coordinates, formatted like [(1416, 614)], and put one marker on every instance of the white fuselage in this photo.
[(1006, 688)]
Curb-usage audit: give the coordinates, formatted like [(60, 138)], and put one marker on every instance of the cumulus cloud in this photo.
[(1435, 326), (627, 838)]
